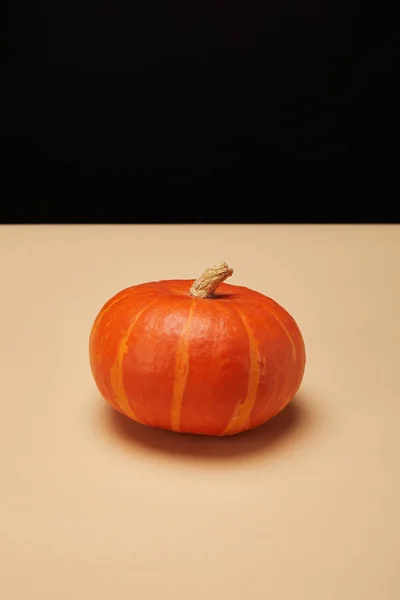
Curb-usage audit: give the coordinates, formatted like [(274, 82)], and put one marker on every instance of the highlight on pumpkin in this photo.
[(166, 358)]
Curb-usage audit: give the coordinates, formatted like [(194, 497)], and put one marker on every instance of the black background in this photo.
[(199, 111)]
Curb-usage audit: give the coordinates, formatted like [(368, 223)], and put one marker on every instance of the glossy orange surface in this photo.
[(215, 366)]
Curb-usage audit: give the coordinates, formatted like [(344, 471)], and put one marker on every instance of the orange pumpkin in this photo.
[(186, 356)]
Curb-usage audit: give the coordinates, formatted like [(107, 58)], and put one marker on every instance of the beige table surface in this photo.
[(305, 507)]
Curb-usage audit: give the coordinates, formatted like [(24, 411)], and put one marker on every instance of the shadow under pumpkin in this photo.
[(281, 431)]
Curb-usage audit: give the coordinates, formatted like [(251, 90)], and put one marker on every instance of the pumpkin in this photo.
[(201, 357)]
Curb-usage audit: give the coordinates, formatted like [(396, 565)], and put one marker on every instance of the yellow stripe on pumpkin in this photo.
[(104, 311), (294, 351), (243, 408), (181, 372), (116, 371)]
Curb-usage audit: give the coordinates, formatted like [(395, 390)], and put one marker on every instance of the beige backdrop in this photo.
[(305, 507)]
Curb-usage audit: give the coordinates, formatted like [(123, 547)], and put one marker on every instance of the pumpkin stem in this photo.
[(206, 284)]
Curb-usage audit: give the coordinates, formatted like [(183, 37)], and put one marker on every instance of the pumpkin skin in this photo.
[(216, 365)]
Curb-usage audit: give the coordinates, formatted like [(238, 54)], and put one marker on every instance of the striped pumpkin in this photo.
[(184, 356)]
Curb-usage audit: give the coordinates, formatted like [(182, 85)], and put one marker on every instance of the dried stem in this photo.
[(206, 284)]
